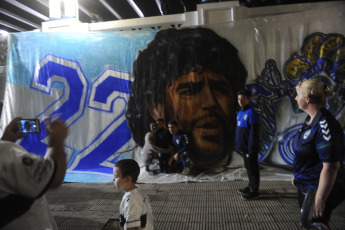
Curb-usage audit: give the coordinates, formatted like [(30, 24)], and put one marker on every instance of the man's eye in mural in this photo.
[(190, 88), (220, 87)]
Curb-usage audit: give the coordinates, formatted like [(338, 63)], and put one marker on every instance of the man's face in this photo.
[(118, 180), (243, 100), (203, 104), (153, 127), (160, 124), (172, 129)]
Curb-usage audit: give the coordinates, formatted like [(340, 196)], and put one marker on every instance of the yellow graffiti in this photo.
[(295, 67), (310, 47), (339, 54), (328, 45)]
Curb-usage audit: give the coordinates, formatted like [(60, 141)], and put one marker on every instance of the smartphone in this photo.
[(29, 126)]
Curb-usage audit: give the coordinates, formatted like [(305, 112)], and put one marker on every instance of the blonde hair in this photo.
[(316, 90)]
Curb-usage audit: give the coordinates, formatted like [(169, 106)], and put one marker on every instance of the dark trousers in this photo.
[(185, 159), (252, 165), (336, 197), (163, 161)]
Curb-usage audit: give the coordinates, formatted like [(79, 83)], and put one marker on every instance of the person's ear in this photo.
[(307, 99), (156, 110), (127, 179)]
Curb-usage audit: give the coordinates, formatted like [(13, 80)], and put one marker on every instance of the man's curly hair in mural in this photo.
[(191, 75)]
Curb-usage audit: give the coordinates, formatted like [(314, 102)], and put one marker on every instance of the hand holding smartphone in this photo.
[(29, 126)]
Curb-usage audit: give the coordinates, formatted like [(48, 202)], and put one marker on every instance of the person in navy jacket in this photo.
[(181, 145), (247, 143), (319, 151)]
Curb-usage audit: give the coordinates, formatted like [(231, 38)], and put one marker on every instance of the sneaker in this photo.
[(250, 196), (153, 172), (185, 171), (244, 190)]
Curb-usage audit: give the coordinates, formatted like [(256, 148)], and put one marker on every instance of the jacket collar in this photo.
[(317, 117)]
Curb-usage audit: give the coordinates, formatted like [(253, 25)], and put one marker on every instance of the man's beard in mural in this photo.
[(212, 138)]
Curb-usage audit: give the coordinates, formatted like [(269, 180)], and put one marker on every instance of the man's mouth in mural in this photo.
[(208, 135), (209, 127)]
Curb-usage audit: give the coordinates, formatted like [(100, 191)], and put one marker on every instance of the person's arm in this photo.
[(326, 183), (185, 142), (152, 142), (253, 140), (293, 181), (57, 132)]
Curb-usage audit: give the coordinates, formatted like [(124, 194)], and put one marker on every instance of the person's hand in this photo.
[(293, 181), (57, 131), (319, 208), (11, 131), (176, 156)]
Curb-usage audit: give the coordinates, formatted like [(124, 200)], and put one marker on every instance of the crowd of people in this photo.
[(318, 146), (318, 164), (194, 88)]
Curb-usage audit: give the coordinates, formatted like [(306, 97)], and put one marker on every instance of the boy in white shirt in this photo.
[(135, 207)]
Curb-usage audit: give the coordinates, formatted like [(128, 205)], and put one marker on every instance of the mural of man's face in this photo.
[(203, 104)]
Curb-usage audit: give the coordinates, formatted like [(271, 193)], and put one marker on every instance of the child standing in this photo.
[(135, 207)]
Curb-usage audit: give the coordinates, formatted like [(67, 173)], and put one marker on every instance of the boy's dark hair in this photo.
[(173, 122), (129, 167), (244, 92)]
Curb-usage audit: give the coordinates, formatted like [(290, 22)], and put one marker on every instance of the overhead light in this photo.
[(3, 32), (83, 9), (27, 9), (106, 5), (54, 9), (136, 8), (9, 25), (18, 18), (158, 2), (71, 8)]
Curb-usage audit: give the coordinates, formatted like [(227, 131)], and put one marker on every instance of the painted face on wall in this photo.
[(203, 104)]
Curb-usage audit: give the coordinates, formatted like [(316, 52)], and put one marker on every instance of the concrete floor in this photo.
[(186, 205)]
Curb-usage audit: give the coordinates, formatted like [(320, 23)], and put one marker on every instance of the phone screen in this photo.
[(29, 126)]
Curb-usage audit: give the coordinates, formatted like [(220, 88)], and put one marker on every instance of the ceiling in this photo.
[(27, 15)]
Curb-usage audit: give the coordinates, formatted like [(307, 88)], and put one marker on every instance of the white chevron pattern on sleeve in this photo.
[(325, 130)]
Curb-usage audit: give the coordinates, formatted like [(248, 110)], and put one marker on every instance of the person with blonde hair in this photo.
[(319, 151)]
